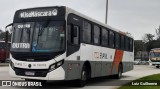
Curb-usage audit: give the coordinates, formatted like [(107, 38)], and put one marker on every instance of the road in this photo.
[(98, 83)]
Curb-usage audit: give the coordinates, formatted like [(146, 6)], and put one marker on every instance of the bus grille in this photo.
[(38, 72)]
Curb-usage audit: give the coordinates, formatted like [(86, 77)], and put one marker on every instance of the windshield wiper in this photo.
[(21, 35), (29, 33), (41, 29)]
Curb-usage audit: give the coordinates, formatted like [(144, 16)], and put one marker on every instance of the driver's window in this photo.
[(73, 34)]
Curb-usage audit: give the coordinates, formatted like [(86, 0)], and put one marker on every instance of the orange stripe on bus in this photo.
[(117, 59)]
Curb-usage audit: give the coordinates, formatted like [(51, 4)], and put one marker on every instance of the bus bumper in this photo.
[(156, 63), (57, 74)]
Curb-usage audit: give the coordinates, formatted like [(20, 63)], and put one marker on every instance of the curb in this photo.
[(4, 64)]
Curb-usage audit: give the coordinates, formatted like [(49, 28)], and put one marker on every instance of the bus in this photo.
[(59, 43), (154, 57), (4, 51)]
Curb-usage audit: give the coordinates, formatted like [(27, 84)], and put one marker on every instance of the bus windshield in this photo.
[(47, 36), (155, 54), (22, 33)]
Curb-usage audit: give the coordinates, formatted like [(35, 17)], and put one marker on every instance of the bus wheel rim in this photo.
[(84, 77)]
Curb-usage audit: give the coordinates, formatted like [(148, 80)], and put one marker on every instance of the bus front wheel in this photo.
[(82, 81)]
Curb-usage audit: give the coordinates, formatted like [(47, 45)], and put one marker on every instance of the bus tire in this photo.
[(119, 75), (83, 79), (157, 66)]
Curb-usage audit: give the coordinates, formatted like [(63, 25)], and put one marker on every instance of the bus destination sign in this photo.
[(38, 13)]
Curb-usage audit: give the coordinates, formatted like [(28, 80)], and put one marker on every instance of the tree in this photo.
[(139, 45), (3, 35), (158, 33), (148, 37), (153, 44)]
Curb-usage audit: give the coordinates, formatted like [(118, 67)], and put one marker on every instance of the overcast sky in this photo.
[(134, 16)]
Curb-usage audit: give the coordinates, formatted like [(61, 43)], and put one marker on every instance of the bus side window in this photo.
[(105, 37), (96, 35), (117, 40), (122, 42), (126, 43), (86, 32), (73, 34), (111, 39), (131, 45)]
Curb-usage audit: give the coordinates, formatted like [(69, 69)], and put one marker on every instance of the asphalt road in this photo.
[(97, 83)]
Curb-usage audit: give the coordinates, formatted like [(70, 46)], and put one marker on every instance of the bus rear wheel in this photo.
[(157, 66), (119, 75)]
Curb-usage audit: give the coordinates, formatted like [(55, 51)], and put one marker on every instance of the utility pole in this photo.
[(106, 11)]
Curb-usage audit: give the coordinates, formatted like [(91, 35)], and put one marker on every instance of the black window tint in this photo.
[(73, 34), (76, 35), (126, 43), (86, 32), (117, 40), (111, 39), (96, 35), (131, 45), (122, 42), (104, 37), (69, 34)]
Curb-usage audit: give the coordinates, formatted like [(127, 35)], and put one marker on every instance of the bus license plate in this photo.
[(29, 73)]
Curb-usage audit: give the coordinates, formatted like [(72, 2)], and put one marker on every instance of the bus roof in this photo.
[(69, 10)]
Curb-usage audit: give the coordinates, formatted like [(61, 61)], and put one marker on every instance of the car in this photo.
[(140, 62)]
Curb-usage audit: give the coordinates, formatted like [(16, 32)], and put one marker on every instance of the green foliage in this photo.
[(140, 87), (3, 35), (149, 41), (139, 45), (148, 37), (153, 44), (154, 77)]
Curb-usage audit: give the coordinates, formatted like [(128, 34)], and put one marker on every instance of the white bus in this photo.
[(155, 57), (58, 43)]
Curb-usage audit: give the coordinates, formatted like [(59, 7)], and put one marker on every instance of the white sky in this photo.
[(134, 16)]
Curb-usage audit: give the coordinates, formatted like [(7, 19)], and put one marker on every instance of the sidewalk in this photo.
[(4, 69), (4, 64)]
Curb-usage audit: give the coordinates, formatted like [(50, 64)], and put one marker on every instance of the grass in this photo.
[(152, 78)]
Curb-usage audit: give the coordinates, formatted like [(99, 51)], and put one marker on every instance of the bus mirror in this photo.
[(11, 24), (6, 36), (7, 32)]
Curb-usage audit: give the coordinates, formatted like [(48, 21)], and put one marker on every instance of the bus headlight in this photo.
[(12, 65), (52, 67), (56, 65), (59, 63)]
